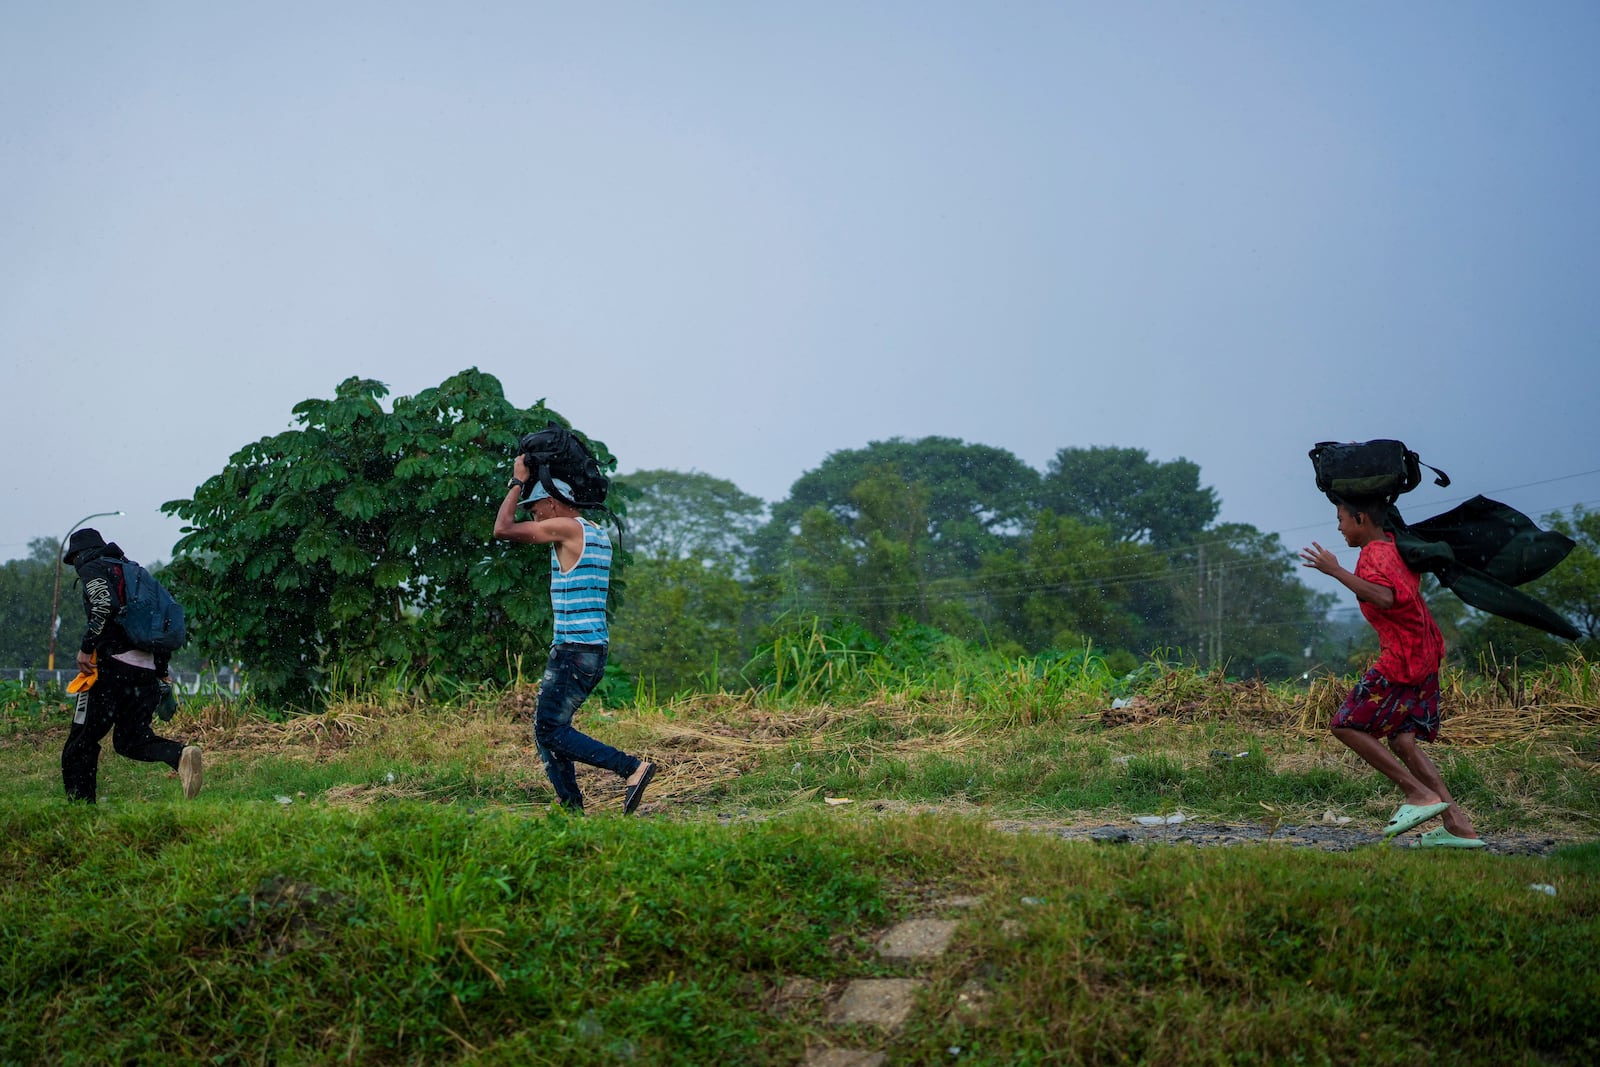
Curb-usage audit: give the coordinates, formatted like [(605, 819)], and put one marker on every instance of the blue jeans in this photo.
[(569, 677)]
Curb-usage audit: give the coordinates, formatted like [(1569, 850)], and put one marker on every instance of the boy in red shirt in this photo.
[(1398, 697)]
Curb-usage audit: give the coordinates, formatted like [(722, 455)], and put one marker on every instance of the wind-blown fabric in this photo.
[(1479, 551)]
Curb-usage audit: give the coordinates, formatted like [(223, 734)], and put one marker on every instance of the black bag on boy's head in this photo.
[(555, 453), (1368, 470)]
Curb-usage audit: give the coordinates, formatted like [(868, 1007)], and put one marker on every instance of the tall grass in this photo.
[(811, 665), (918, 720)]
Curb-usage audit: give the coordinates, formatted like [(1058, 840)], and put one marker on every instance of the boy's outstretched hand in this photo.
[(1320, 559)]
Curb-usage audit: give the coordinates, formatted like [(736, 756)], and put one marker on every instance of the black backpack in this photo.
[(1380, 469), (555, 452)]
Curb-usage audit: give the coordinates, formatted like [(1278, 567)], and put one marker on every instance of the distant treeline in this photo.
[(358, 545)]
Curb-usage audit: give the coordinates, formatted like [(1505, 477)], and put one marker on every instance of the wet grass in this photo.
[(386, 884), (229, 931)]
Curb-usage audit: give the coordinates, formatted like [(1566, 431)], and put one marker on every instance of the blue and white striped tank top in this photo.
[(578, 597)]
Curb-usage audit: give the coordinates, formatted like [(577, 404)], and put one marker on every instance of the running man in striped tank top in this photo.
[(580, 577)]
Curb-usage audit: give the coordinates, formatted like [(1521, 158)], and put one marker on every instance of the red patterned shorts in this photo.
[(1383, 708)]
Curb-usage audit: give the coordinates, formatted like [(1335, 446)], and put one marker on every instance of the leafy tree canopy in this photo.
[(26, 586), (873, 561), (976, 495), (362, 542), (1066, 582), (1240, 595), (1136, 497), (1573, 587), (682, 627), (673, 516)]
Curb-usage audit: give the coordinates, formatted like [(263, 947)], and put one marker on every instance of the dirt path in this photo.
[(1199, 833), (1327, 837)]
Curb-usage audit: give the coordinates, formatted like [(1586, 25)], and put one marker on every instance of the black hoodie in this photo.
[(104, 593)]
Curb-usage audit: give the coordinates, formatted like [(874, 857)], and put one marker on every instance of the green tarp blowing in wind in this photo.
[(1479, 551)]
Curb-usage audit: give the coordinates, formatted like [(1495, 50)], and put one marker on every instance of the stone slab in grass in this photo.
[(843, 1057), (917, 939), (883, 1002)]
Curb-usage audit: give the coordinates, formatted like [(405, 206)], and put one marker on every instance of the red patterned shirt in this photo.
[(1409, 643)]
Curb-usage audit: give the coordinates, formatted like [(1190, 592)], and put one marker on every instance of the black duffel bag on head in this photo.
[(556, 452), (1368, 470)]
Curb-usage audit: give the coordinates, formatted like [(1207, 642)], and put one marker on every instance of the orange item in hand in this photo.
[(86, 678)]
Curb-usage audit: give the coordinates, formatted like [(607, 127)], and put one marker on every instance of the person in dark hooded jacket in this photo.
[(124, 682)]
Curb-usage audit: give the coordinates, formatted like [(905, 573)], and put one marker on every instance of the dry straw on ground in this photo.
[(1469, 715), (709, 740)]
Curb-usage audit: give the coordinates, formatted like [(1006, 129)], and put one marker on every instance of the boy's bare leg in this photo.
[(1384, 762), (1417, 761)]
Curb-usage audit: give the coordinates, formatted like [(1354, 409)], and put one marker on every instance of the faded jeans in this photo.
[(569, 677)]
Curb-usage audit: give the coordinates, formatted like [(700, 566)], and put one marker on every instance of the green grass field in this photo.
[(385, 883)]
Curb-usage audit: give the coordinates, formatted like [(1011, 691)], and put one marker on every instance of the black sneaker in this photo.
[(635, 793)]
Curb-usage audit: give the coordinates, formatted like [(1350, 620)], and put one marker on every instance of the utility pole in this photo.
[(1216, 627)]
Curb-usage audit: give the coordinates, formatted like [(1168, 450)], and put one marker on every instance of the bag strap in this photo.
[(548, 482), (1414, 474)]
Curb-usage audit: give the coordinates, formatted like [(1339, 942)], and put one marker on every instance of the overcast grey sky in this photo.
[(1221, 231)]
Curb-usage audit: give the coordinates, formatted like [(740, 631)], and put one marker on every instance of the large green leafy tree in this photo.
[(362, 542), (674, 515), (687, 620), (873, 564), (683, 628), (1067, 582), (25, 588), (977, 494), (891, 530), (1136, 497)]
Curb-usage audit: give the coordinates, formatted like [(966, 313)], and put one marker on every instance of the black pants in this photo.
[(122, 701)]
